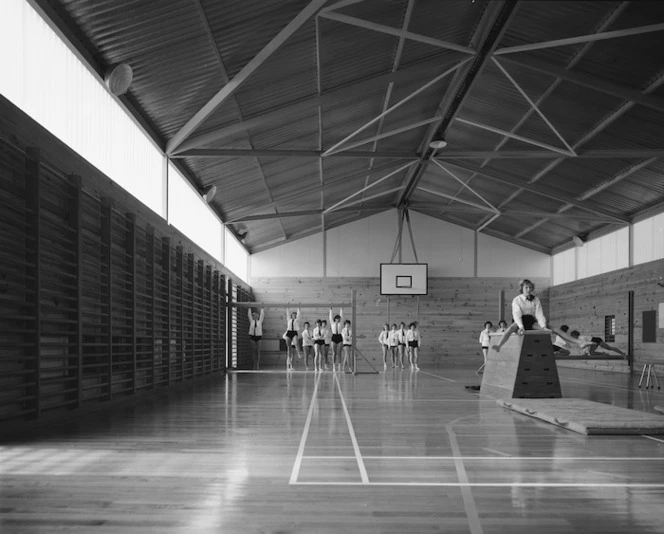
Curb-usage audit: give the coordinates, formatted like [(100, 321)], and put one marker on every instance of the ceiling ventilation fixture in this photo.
[(209, 194), (437, 144), (118, 78)]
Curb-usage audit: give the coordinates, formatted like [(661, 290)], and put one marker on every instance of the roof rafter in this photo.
[(577, 57), (582, 39), (515, 136), (591, 82), (433, 81), (269, 153), (309, 104), (547, 192), (488, 33), (615, 115), (222, 95), (617, 153), (303, 213), (367, 25)]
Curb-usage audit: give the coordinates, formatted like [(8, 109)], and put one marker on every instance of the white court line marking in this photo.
[(503, 458), (468, 500), (441, 377), (654, 439), (303, 440), (489, 484), (360, 463)]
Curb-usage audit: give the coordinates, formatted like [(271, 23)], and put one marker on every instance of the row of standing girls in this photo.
[(318, 342), (399, 342)]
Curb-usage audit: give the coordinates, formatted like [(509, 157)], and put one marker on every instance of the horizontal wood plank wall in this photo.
[(451, 316), (101, 298), (583, 305)]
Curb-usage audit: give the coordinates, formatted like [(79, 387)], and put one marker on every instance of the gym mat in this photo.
[(588, 417)]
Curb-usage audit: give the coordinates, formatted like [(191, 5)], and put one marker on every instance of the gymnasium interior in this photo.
[(168, 167)]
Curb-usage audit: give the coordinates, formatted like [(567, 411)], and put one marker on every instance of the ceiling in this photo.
[(310, 114)]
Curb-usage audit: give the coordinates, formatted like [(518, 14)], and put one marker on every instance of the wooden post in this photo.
[(77, 224), (353, 303), (501, 305), (130, 248), (180, 274), (149, 235), (229, 322), (630, 329), (107, 240), (166, 267), (32, 201)]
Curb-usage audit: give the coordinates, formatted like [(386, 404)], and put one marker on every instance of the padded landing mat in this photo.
[(587, 417)]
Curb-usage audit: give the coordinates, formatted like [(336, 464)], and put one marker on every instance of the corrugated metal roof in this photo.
[(179, 50)]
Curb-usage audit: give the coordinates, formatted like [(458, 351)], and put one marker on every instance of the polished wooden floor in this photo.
[(398, 452)]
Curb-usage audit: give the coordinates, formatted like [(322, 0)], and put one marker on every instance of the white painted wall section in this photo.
[(302, 258), (358, 249), (496, 257)]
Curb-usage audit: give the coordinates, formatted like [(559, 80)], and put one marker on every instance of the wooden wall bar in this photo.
[(583, 305), (451, 316), (100, 298)]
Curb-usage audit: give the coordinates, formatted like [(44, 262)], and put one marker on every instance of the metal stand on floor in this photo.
[(650, 376), (356, 372)]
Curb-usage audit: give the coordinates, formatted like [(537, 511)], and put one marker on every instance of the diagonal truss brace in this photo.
[(465, 185), (533, 105), (227, 90), (581, 39), (367, 25), (395, 106), (515, 136), (380, 180)]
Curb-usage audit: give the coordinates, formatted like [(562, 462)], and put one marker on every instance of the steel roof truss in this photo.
[(222, 95), (581, 39)]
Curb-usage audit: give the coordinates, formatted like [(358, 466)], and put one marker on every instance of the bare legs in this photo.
[(336, 355), (308, 352), (346, 350), (326, 352), (317, 357), (513, 328), (402, 354), (413, 355), (384, 347), (485, 352), (256, 353)]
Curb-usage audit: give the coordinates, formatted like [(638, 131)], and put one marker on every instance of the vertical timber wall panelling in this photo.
[(584, 304), (244, 360), (100, 298), (451, 316)]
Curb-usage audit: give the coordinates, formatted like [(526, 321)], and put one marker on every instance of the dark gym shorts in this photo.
[(597, 340), (255, 338), (556, 348), (414, 344), (319, 341), (291, 334), (402, 344), (336, 338), (528, 322)]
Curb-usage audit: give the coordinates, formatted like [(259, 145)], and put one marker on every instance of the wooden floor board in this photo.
[(220, 455)]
